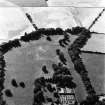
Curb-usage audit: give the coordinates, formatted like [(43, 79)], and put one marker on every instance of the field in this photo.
[(24, 64)]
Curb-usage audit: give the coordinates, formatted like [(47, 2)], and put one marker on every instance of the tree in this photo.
[(62, 77)]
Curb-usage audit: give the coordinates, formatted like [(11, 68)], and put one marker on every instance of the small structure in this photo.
[(67, 97)]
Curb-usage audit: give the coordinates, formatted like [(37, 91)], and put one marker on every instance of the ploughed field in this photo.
[(24, 65)]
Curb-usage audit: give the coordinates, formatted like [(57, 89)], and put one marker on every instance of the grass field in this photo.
[(23, 3), (24, 64)]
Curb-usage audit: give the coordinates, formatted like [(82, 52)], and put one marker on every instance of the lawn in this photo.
[(24, 64)]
